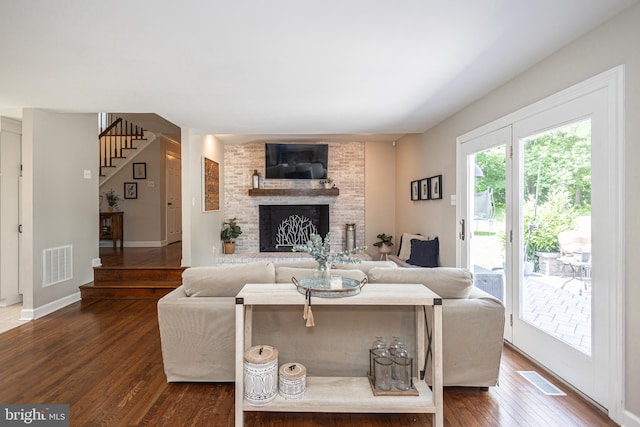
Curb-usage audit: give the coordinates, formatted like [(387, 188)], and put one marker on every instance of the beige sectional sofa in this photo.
[(197, 323)]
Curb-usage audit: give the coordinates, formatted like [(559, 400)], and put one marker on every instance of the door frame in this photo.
[(612, 81), (177, 155)]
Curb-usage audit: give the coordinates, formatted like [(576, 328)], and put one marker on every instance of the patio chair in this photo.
[(575, 254)]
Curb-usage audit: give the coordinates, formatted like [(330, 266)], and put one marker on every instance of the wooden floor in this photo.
[(166, 256), (102, 357)]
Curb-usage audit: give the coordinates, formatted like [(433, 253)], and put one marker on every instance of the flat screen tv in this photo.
[(296, 161)]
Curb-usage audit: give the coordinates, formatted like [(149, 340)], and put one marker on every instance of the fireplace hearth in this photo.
[(284, 226)]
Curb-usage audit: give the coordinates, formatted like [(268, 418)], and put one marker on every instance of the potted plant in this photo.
[(230, 231), (544, 224), (327, 183), (112, 200), (384, 244)]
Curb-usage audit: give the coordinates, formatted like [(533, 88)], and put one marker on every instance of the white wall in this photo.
[(380, 193), (610, 45), (60, 207), (200, 230)]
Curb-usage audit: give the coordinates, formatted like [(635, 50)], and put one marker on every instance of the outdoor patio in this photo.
[(564, 313), (560, 306)]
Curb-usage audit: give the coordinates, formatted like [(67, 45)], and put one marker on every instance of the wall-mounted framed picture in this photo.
[(139, 171), (424, 189), (415, 190), (435, 185), (130, 190), (210, 185)]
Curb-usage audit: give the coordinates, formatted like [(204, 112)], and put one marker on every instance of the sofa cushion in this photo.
[(365, 266), (284, 274), (225, 280), (404, 251), (448, 282), (424, 253)]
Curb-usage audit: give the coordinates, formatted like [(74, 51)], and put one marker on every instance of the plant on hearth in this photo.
[(230, 230), (228, 234)]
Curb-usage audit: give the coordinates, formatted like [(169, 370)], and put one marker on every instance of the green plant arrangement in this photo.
[(383, 240), (230, 230), (229, 233), (543, 223), (384, 244), (112, 199), (320, 250)]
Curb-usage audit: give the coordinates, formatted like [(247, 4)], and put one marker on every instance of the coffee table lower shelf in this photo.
[(349, 394)]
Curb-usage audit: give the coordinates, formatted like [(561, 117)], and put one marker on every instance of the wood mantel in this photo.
[(293, 192)]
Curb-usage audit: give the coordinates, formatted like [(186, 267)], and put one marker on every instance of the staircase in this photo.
[(132, 282), (120, 142)]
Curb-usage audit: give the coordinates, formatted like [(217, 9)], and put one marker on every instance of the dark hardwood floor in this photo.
[(102, 357), (166, 256)]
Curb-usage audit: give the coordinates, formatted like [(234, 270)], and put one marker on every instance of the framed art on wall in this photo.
[(130, 190), (415, 191), (424, 189), (210, 185), (139, 171), (435, 185)]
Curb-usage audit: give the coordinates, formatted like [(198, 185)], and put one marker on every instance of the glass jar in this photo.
[(382, 365), (393, 347), (378, 344), (401, 368)]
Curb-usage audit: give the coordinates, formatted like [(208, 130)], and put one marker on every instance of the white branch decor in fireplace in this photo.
[(294, 230)]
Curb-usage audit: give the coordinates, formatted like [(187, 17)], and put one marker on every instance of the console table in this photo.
[(347, 394), (111, 227)]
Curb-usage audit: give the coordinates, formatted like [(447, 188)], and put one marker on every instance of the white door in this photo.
[(560, 309), (173, 198), (564, 184), (10, 148), (483, 210)]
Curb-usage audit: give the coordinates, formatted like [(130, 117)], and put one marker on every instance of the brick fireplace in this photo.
[(346, 167)]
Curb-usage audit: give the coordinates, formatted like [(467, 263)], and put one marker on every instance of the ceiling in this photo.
[(279, 69)]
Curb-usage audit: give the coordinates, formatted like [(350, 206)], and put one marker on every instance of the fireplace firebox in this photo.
[(283, 226)]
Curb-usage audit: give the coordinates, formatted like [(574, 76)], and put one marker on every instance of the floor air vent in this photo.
[(57, 265), (541, 383)]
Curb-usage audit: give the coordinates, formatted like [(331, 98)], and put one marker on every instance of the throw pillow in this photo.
[(404, 251), (424, 253)]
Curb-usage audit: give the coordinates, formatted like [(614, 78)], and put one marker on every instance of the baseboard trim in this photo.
[(143, 244), (32, 314), (135, 244), (630, 419)]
